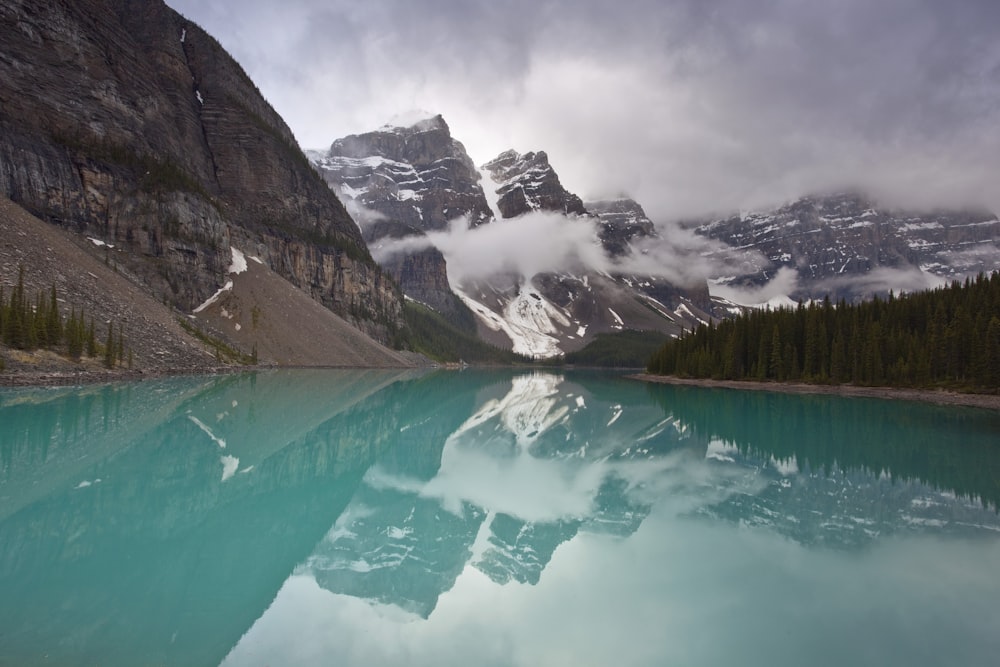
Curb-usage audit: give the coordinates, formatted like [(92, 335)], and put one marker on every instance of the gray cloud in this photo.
[(692, 106)]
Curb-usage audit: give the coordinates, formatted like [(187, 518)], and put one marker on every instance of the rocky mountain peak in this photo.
[(621, 221), (417, 175), (527, 182)]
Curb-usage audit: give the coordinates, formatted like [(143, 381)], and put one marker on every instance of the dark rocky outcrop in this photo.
[(124, 120), (525, 183), (621, 221)]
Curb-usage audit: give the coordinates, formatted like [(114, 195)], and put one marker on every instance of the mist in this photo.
[(552, 242)]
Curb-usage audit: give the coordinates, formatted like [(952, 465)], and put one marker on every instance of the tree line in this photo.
[(947, 337), (33, 324)]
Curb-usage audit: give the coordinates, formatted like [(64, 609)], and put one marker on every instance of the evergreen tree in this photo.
[(943, 337), (74, 337), (109, 347), (53, 323), (91, 339), (777, 362), (120, 351)]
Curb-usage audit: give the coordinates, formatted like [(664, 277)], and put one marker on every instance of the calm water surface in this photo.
[(492, 518)]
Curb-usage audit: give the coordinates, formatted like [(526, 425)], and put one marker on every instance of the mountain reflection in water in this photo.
[(243, 519)]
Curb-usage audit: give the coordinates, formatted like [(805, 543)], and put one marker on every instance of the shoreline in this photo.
[(28, 379), (935, 396)]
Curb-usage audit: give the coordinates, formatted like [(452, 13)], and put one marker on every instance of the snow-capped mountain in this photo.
[(407, 184), (525, 183), (417, 176), (846, 245), (398, 183)]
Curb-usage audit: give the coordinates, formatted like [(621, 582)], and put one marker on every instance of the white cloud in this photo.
[(693, 106)]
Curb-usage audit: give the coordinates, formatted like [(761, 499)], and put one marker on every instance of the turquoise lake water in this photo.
[(492, 518)]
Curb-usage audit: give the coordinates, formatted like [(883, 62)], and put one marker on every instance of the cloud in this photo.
[(776, 292), (363, 216), (883, 279), (552, 242), (685, 258), (538, 242), (693, 106)]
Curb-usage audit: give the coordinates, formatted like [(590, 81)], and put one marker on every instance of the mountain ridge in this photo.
[(543, 314)]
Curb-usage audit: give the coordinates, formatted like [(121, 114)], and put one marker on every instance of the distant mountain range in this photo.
[(847, 246), (405, 183)]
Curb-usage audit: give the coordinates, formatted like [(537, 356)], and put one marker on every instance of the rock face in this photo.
[(125, 121), (622, 220), (401, 182), (529, 183), (834, 242), (417, 175)]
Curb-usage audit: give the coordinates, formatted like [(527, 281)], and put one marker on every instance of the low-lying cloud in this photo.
[(881, 280), (775, 292), (551, 242)]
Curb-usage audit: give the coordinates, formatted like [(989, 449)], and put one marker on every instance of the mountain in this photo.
[(525, 183), (553, 312), (621, 220), (403, 182), (400, 182), (124, 122), (838, 244)]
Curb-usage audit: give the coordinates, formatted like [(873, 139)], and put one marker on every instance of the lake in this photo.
[(318, 517)]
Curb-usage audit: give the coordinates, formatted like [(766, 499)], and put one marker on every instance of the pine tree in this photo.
[(992, 344), (91, 340), (53, 324), (109, 347), (120, 351), (15, 334), (777, 365), (74, 339)]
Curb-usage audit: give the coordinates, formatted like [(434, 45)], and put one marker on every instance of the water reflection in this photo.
[(371, 517)]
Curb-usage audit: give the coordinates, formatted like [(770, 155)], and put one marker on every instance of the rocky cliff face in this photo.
[(404, 181), (834, 242), (123, 120), (417, 175), (401, 182), (621, 221), (525, 183)]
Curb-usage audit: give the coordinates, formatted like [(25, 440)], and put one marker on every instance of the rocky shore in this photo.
[(939, 397)]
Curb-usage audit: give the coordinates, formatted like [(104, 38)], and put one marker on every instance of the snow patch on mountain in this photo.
[(529, 320)]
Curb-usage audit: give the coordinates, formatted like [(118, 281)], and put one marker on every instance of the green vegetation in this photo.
[(224, 352), (947, 338), (622, 349), (38, 325), (431, 334)]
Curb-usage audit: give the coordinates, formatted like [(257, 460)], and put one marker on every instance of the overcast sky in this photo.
[(690, 106)]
